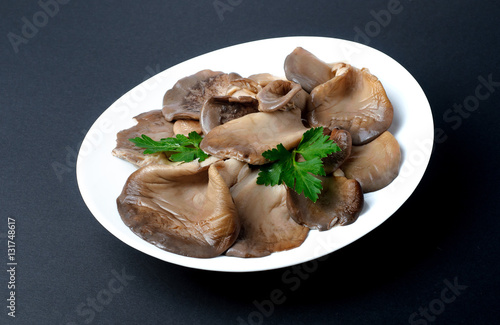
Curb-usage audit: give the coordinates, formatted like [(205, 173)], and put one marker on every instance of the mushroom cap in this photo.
[(334, 160), (304, 68), (340, 202), (152, 124), (185, 210), (247, 137), (375, 164), (266, 226), (186, 98), (282, 94), (243, 87), (354, 100), (222, 109), (186, 126), (262, 79)]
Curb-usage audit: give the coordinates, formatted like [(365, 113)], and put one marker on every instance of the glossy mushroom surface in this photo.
[(375, 164), (304, 68), (243, 87), (185, 209), (266, 226), (152, 124), (334, 160), (263, 79), (247, 137), (340, 202), (186, 98), (186, 126), (354, 100), (282, 94), (222, 109)]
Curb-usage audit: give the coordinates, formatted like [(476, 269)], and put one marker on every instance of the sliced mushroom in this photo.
[(304, 68), (340, 202), (187, 96), (222, 109), (243, 87), (247, 137), (152, 124), (333, 161), (375, 164), (186, 126), (354, 100), (185, 210), (266, 226), (282, 94)]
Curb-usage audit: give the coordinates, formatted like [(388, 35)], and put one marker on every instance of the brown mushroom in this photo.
[(375, 164), (340, 202), (185, 210), (304, 68), (247, 137), (152, 124), (354, 100), (334, 160), (282, 94), (266, 226), (186, 98), (186, 126), (222, 109)]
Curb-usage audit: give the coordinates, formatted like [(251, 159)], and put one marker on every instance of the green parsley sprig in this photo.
[(186, 148), (284, 167)]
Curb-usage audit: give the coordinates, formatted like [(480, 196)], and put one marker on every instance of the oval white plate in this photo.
[(102, 176)]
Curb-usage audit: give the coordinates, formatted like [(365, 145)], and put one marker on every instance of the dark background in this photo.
[(56, 83)]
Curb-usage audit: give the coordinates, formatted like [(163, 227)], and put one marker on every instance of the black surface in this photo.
[(91, 52)]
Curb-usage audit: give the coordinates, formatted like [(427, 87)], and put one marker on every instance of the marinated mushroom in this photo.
[(266, 226), (340, 202), (247, 137), (282, 94), (354, 100), (375, 164), (304, 68), (187, 96), (154, 125), (185, 209), (222, 109), (186, 126), (334, 160)]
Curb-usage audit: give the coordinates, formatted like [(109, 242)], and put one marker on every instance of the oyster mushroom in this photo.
[(266, 226), (354, 100), (243, 87), (247, 137), (375, 164), (186, 126), (185, 210), (262, 79), (187, 96), (304, 68), (152, 124), (340, 202), (334, 160), (282, 94), (222, 109)]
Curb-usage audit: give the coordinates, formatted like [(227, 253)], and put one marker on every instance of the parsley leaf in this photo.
[(299, 175), (185, 148)]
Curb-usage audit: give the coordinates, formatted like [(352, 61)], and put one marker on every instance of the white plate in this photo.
[(102, 176)]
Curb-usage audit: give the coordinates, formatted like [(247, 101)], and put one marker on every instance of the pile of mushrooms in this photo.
[(215, 207)]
